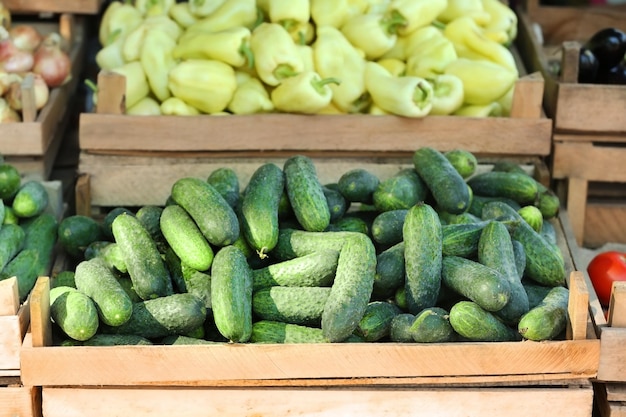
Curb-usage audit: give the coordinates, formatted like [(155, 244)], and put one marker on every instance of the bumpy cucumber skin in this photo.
[(74, 312), (351, 289), (477, 324), (226, 182), (231, 294), (495, 250), (215, 218), (146, 268), (461, 239), (306, 194), (401, 191), (267, 331), (150, 217), (12, 239), (293, 243), (108, 220), (259, 208), (31, 200), (185, 238), (423, 238), (536, 293), (337, 203), (197, 283), (548, 319), (390, 269), (463, 161), (295, 305), (399, 330), (520, 257), (432, 325), (479, 201), (41, 235), (358, 185), (76, 232), (101, 339), (24, 266), (516, 186), (446, 185), (96, 280), (376, 322), (10, 181), (478, 282), (387, 227), (316, 269)]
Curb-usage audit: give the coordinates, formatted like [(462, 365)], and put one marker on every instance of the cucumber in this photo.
[(387, 227), (266, 331), (306, 194), (548, 319), (296, 305), (108, 220), (12, 239), (401, 191), (41, 235), (548, 231), (10, 181), (350, 223), (215, 218), (390, 269), (535, 292), (197, 283), (9, 216), (548, 202), (432, 325), (495, 250), (127, 285), (150, 218), (163, 316), (114, 258), (516, 186), (520, 257), (463, 161), (64, 278), (143, 261), (400, 299), (423, 238), (479, 201), (94, 279), (477, 324), (463, 218), (316, 269), (76, 232), (461, 239), (479, 283), (532, 215), (337, 203), (226, 182), (24, 266), (30, 200), (259, 208), (185, 238), (399, 329), (73, 312), (185, 340), (351, 289), (376, 322), (358, 185), (231, 294), (447, 186), (293, 243), (101, 339)]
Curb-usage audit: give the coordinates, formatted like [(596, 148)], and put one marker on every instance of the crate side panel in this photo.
[(20, 401)]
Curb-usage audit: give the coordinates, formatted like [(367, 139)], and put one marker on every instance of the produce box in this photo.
[(32, 145), (589, 130), (54, 6)]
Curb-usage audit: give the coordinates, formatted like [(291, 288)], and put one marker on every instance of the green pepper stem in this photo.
[(113, 36), (283, 71), (421, 94), (392, 22), (245, 50), (91, 85), (318, 85), (260, 18), (361, 103), (438, 24)]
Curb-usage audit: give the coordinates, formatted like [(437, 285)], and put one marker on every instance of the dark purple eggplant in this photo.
[(609, 47), (617, 74), (587, 66)]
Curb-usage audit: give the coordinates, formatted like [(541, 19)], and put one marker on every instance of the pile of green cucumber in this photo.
[(436, 253)]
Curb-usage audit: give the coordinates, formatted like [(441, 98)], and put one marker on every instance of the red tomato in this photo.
[(605, 268)]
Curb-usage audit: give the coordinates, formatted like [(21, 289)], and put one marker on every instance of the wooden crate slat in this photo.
[(591, 108), (588, 161), (20, 401), (54, 6)]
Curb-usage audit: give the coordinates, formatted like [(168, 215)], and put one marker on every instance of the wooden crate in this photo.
[(32, 145), (54, 6), (589, 127)]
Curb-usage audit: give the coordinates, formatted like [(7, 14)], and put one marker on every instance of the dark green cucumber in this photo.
[(185, 340), (351, 289), (41, 235), (266, 331), (548, 319), (63, 278), (479, 201), (231, 294), (387, 227), (127, 285), (461, 239), (401, 191), (423, 239), (548, 231), (390, 269), (96, 280), (163, 316), (337, 203), (316, 269), (296, 305), (520, 257), (94, 249), (400, 328), (495, 250), (24, 266), (76, 232), (12, 239), (74, 312), (226, 182), (463, 218), (107, 221), (463, 161), (358, 185), (293, 243), (10, 181), (376, 322), (215, 218), (535, 292), (259, 208), (532, 215), (30, 200), (400, 298), (475, 323), (432, 325), (548, 202), (350, 223), (516, 186), (197, 283), (150, 218), (185, 238), (146, 268), (446, 185), (306, 194), (102, 339), (479, 283)]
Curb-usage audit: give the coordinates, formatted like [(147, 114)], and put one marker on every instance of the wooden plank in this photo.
[(602, 106), (617, 305), (615, 392), (528, 97), (54, 6), (9, 299), (40, 313), (577, 306), (77, 402), (576, 204), (604, 222), (612, 365), (10, 342), (20, 401), (589, 161)]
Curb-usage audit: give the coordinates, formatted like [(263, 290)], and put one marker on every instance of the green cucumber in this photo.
[(41, 235), (197, 283), (400, 328), (358, 185), (146, 268), (150, 218), (423, 238), (508, 166), (520, 257), (350, 223), (548, 202), (548, 231), (74, 312), (94, 249), (185, 238), (76, 232), (477, 324), (532, 215), (306, 194), (231, 294), (185, 340), (12, 239), (479, 283), (479, 201), (101, 339), (432, 325), (376, 322), (293, 243), (535, 292), (266, 331), (463, 161), (401, 191), (25, 267), (296, 305), (516, 186), (387, 227), (10, 181), (390, 269), (215, 218), (337, 203), (226, 182), (30, 200), (446, 185), (548, 319), (463, 218), (461, 239), (94, 279), (114, 258), (108, 220), (64, 278)]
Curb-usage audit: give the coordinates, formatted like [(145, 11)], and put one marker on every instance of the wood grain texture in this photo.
[(604, 222), (612, 366), (9, 298), (20, 401), (55, 6)]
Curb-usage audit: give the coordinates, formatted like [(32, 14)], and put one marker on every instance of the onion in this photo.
[(7, 114), (25, 37), (51, 62), (40, 88), (19, 62), (6, 79), (5, 16)]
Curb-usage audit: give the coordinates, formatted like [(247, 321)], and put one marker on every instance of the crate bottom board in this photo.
[(604, 223), (20, 401), (573, 401)]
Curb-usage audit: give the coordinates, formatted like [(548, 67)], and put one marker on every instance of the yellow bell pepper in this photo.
[(403, 96), (420, 38), (147, 106), (377, 6), (396, 67), (136, 82), (375, 110), (174, 106), (306, 55), (276, 55), (208, 85), (330, 12), (448, 94), (250, 97), (181, 14), (331, 109), (464, 8), (485, 110), (133, 43), (483, 81), (154, 7), (204, 8), (415, 14), (118, 18), (430, 57), (335, 57), (470, 42), (502, 24), (111, 56), (231, 46), (232, 13), (304, 93), (157, 61), (281, 11), (302, 33), (373, 33)]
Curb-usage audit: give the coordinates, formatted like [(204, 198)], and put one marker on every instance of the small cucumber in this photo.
[(387, 227), (296, 305), (198, 283), (358, 185), (101, 339), (24, 266), (337, 203), (12, 239), (226, 182), (532, 215), (31, 199), (150, 218), (10, 181), (461, 239), (293, 243), (390, 269), (463, 161), (548, 319), (76, 232), (401, 191), (114, 258), (516, 186), (432, 325), (376, 322), (41, 235), (108, 220), (479, 201), (74, 312), (477, 324), (350, 223), (267, 331), (400, 328)]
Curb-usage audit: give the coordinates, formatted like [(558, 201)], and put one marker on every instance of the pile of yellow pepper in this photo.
[(410, 58)]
